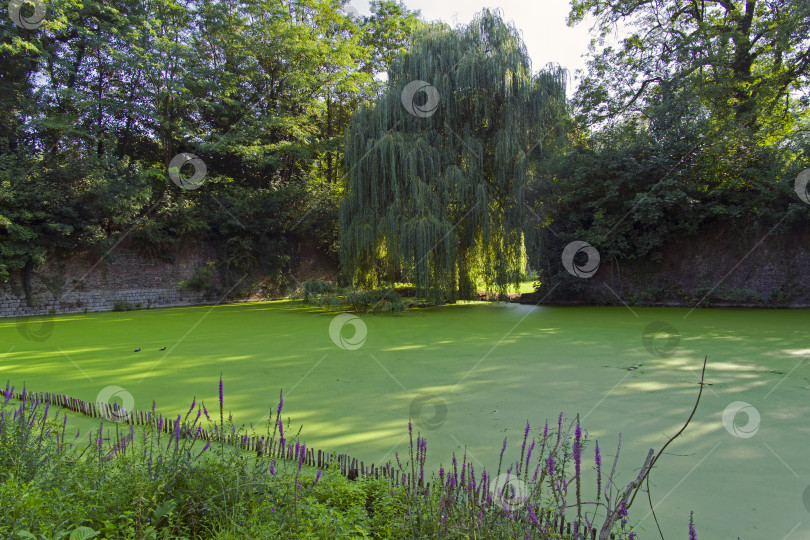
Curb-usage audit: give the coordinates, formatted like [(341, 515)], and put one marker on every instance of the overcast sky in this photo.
[(542, 22)]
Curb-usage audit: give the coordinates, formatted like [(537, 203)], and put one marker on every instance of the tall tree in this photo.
[(747, 58), (438, 164)]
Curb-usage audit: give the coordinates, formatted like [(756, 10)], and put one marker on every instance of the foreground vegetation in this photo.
[(119, 482)]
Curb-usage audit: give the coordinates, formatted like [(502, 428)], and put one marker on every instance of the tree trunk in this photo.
[(26, 275)]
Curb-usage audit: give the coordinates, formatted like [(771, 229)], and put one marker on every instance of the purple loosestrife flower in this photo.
[(631, 536), (623, 512), (177, 431), (193, 404), (318, 476), (221, 394), (533, 517), (100, 431), (692, 532), (550, 462), (577, 449), (273, 468), (598, 459)]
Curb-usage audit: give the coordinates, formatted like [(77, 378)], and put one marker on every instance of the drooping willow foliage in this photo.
[(438, 199)]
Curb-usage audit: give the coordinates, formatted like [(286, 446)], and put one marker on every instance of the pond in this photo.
[(471, 375)]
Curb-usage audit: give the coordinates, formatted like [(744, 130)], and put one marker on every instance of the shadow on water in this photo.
[(470, 375)]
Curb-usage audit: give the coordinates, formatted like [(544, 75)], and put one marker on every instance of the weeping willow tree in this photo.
[(439, 163)]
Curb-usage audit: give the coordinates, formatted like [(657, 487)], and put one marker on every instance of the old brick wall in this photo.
[(719, 267), (97, 281)]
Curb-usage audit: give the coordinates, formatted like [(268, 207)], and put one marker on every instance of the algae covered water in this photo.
[(470, 375)]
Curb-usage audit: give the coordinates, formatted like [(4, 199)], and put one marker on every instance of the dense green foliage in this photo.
[(439, 162), (698, 119), (100, 98), (328, 295)]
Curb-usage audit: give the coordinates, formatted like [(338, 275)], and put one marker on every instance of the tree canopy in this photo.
[(439, 163), (99, 97), (747, 60)]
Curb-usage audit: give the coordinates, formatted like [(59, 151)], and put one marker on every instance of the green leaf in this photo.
[(83, 533)]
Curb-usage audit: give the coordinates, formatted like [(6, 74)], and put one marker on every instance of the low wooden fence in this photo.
[(350, 467)]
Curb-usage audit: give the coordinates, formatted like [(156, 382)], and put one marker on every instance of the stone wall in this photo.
[(121, 279), (719, 267)]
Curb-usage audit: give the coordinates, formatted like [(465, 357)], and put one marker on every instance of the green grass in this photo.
[(493, 366)]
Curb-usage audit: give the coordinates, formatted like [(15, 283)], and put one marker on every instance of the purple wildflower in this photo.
[(301, 456), (529, 456), (598, 458), (177, 431), (550, 462), (318, 476), (205, 411), (193, 404), (221, 396), (692, 532), (623, 512), (577, 448), (100, 431)]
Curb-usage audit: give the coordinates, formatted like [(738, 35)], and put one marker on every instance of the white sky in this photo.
[(542, 22)]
